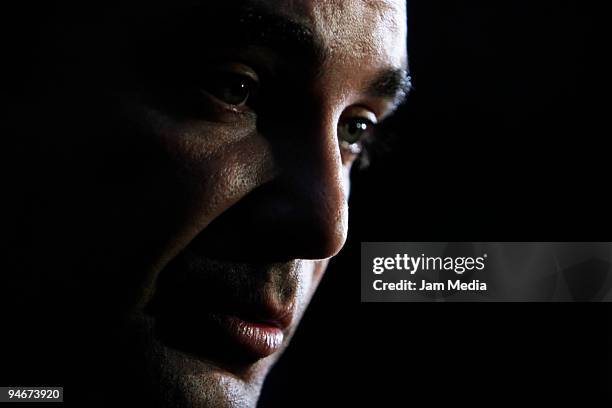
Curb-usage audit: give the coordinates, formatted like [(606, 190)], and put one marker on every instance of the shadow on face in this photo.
[(186, 175)]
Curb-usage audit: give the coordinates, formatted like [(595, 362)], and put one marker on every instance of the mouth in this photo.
[(257, 339), (232, 317), (227, 338)]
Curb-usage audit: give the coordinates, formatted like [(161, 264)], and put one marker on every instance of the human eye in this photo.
[(210, 91), (354, 134), (235, 86)]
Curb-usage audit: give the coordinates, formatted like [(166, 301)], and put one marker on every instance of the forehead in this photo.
[(352, 29), (369, 32)]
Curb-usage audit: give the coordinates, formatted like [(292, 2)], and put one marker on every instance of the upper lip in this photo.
[(264, 313), (210, 332), (252, 312), (197, 311)]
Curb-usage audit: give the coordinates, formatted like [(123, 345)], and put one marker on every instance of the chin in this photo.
[(183, 358)]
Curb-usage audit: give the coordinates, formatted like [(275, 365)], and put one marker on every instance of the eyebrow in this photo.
[(392, 83), (276, 31), (254, 23), (245, 23), (261, 27)]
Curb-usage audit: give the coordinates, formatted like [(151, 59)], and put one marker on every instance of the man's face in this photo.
[(209, 177)]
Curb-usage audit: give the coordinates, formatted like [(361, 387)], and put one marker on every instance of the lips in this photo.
[(226, 335), (255, 338), (218, 317)]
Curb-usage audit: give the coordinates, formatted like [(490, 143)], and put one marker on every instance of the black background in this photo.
[(504, 138)]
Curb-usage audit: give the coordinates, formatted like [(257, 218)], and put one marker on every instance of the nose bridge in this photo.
[(300, 211), (312, 174), (323, 166)]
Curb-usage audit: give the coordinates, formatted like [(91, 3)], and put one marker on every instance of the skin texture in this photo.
[(150, 212)]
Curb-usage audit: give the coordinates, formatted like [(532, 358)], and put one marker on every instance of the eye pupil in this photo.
[(352, 131), (232, 89), (236, 91), (356, 127)]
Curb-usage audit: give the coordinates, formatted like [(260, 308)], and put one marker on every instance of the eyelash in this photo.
[(245, 88), (360, 145), (245, 98)]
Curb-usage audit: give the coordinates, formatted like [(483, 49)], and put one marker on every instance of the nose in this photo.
[(301, 212), (310, 193)]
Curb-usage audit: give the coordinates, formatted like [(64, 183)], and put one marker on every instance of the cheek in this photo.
[(214, 179), (316, 270), (213, 164), (346, 179), (311, 274), (201, 169), (319, 269)]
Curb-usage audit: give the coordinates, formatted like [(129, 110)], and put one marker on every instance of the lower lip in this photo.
[(258, 339)]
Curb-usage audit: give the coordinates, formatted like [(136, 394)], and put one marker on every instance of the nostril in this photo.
[(330, 238), (275, 223)]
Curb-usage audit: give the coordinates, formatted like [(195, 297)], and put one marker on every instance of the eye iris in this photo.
[(235, 91), (353, 131)]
